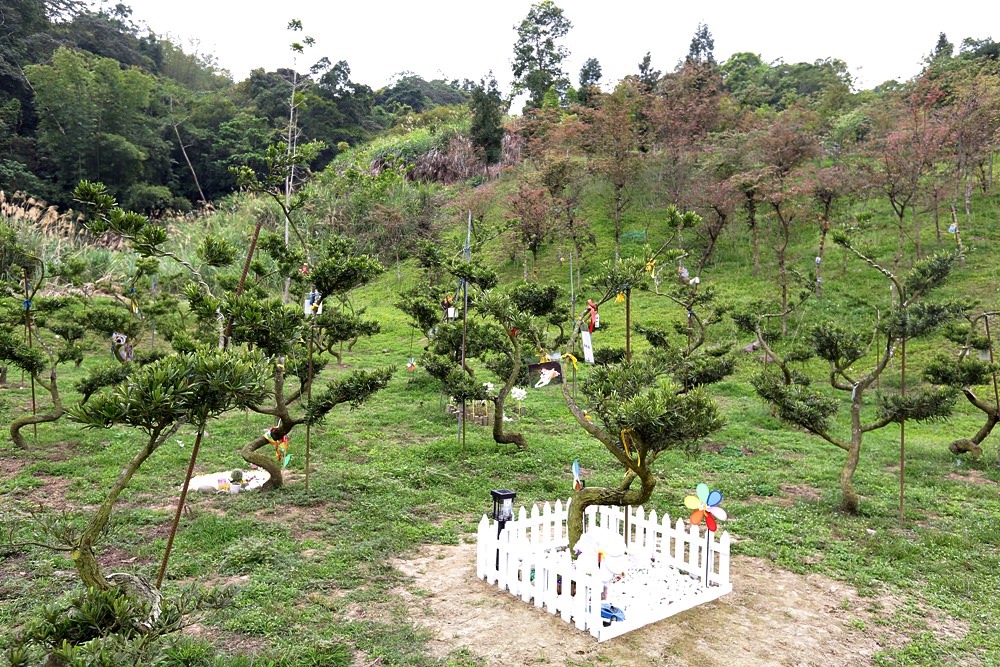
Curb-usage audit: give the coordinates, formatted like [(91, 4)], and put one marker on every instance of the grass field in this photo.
[(311, 567)]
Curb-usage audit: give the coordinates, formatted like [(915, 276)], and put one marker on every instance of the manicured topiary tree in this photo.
[(852, 369), (637, 411), (253, 308), (968, 373), (157, 399)]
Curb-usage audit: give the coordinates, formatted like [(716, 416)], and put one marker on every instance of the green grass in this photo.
[(395, 474)]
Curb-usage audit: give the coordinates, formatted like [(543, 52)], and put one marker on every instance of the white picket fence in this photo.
[(666, 572)]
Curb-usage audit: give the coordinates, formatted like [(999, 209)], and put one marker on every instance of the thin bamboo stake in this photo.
[(27, 329), (628, 324), (309, 389), (902, 424), (996, 391), (180, 506)]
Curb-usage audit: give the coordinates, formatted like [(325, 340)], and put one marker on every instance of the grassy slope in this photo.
[(312, 564)]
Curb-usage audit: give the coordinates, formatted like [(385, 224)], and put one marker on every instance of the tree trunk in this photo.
[(823, 231), (83, 555), (586, 497), (511, 438), (849, 501), (52, 415), (268, 463), (27, 420)]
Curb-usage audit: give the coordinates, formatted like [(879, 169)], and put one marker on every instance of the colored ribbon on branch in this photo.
[(280, 447), (592, 309)]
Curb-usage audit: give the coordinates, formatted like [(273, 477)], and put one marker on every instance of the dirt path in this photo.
[(773, 617)]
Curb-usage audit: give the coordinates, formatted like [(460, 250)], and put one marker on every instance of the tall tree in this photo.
[(648, 77), (538, 55), (486, 129), (590, 78), (612, 145), (702, 48)]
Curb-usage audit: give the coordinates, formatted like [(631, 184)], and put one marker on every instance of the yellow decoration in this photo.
[(650, 266), (620, 297), (571, 358), (628, 453)]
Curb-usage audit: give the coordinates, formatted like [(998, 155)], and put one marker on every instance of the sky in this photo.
[(879, 40)]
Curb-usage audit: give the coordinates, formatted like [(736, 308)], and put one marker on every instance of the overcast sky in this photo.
[(878, 39)]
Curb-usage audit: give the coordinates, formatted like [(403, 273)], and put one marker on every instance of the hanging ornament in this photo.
[(595, 320), (571, 358), (121, 348), (620, 297), (280, 446), (683, 274), (588, 346), (412, 366), (313, 304), (545, 376)]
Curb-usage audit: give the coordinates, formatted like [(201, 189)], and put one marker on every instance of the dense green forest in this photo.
[(85, 93)]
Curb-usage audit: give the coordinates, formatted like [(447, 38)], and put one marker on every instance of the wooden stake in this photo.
[(180, 506), (309, 389)]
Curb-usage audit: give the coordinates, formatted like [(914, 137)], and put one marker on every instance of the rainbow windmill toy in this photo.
[(705, 506)]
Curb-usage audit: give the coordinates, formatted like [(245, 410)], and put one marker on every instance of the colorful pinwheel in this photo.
[(706, 507)]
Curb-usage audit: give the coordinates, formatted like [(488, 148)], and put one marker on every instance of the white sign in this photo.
[(588, 347)]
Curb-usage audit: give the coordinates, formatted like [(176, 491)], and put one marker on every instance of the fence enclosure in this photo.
[(667, 568)]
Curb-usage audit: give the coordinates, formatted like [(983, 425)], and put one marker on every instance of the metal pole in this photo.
[(902, 422), (27, 328), (467, 256)]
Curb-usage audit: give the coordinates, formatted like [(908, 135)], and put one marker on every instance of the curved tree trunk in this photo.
[(52, 415), (510, 438), (586, 497), (83, 553), (265, 461), (972, 445), (849, 500), (28, 420)]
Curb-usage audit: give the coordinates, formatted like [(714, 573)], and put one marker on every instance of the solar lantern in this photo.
[(503, 511)]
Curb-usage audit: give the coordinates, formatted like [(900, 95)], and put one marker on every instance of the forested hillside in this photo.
[(85, 94)]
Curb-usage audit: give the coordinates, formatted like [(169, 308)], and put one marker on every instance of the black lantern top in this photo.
[(503, 504)]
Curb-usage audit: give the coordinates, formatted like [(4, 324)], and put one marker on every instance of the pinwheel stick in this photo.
[(708, 554)]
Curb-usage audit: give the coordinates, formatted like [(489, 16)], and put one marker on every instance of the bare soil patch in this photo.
[(772, 618), (972, 476)]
